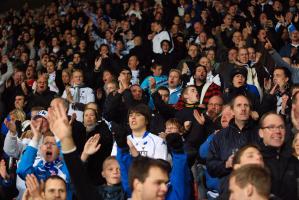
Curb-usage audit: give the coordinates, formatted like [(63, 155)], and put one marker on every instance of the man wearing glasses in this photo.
[(277, 153)]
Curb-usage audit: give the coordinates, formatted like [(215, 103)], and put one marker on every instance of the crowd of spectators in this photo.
[(150, 99)]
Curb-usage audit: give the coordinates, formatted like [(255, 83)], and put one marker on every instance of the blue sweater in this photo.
[(212, 183), (43, 170)]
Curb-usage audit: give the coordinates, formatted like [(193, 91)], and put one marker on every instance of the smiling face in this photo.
[(273, 131), (251, 156), (154, 186), (296, 144), (111, 172)]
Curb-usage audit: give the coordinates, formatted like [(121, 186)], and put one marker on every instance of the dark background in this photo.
[(5, 5)]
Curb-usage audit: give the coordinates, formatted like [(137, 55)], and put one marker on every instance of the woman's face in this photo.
[(296, 145), (89, 117), (251, 156), (65, 77)]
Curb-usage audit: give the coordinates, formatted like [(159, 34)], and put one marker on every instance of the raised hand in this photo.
[(11, 126), (3, 171), (199, 117), (36, 128), (97, 63), (91, 147), (133, 150), (33, 187), (268, 45), (58, 121)]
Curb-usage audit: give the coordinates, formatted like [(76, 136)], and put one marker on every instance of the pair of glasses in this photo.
[(273, 128)]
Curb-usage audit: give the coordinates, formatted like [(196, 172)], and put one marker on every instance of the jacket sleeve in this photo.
[(180, 178), (25, 166), (124, 160), (204, 148), (79, 177), (111, 105), (13, 146), (215, 165), (280, 62), (161, 151), (7, 74), (167, 111)]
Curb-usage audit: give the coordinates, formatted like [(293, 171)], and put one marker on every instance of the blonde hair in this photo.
[(19, 114)]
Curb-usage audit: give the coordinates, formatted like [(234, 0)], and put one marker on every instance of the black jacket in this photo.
[(41, 99), (83, 185), (95, 161), (225, 143), (284, 170)]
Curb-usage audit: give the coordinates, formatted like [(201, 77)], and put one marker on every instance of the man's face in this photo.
[(164, 95), (42, 84), (200, 74), (125, 75), (50, 67), (295, 36), (19, 102), (18, 77), (192, 51), (251, 156), (279, 77), (111, 87), (237, 37), (232, 55), (49, 149), (236, 192), (241, 109), (173, 79), (191, 95), (243, 56), (262, 35), (251, 54), (29, 72), (111, 172), (226, 116), (137, 121), (77, 78), (55, 189), (155, 185), (238, 80), (204, 61), (76, 58), (136, 92), (214, 106), (273, 131)]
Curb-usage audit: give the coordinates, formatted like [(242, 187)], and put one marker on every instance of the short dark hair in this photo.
[(240, 152), (55, 177), (240, 95), (255, 175), (163, 88), (140, 168), (143, 110), (262, 119)]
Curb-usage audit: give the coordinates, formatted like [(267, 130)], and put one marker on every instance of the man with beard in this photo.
[(205, 89)]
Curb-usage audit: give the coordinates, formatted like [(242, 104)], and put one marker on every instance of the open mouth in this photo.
[(49, 153)]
